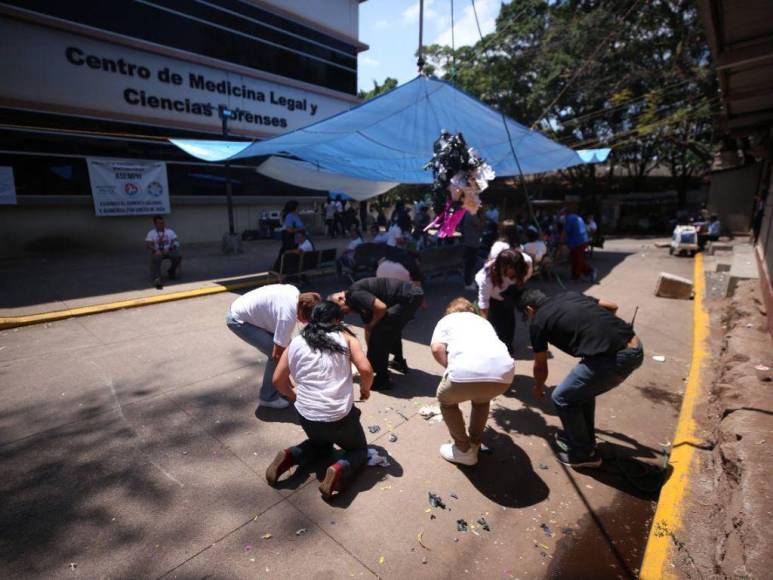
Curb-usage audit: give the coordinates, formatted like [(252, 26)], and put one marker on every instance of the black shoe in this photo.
[(400, 365), (158, 284), (576, 460), (381, 383)]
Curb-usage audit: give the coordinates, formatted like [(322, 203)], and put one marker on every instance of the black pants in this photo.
[(347, 433), (386, 337), (470, 262), (501, 315), (155, 263), (288, 243)]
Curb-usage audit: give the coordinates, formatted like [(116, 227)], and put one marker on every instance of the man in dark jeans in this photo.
[(385, 305), (472, 227), (587, 328)]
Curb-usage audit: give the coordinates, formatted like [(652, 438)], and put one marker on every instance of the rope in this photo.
[(509, 137), (453, 47), (581, 68)]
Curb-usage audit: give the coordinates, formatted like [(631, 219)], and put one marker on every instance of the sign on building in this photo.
[(52, 70), (128, 186), (7, 186)]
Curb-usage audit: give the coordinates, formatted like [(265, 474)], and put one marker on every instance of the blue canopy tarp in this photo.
[(390, 138)]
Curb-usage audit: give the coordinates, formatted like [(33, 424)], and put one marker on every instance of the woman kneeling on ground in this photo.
[(478, 368), (320, 362)]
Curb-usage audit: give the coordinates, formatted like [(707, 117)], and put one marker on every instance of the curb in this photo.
[(668, 515), (30, 319)]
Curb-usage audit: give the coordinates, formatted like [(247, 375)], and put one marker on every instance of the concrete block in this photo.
[(670, 286)]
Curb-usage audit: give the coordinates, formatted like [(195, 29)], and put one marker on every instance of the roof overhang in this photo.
[(740, 36)]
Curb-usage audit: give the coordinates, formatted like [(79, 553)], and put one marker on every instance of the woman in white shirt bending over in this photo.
[(320, 362), (499, 283), (478, 368)]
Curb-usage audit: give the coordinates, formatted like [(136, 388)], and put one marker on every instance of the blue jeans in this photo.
[(575, 397), (263, 340), (347, 433)]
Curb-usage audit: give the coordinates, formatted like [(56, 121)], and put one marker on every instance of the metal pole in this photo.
[(420, 61), (229, 197)]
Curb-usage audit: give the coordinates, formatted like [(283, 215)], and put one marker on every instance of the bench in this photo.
[(295, 265)]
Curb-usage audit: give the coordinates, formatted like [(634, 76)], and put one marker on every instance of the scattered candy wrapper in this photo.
[(300, 532), (392, 437), (659, 358), (461, 525), (374, 428), (376, 460), (436, 501), (267, 536), (430, 411)]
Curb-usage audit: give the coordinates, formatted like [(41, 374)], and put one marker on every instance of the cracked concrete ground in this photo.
[(129, 449)]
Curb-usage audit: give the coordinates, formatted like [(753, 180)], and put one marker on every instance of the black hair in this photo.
[(157, 217), (289, 207), (532, 297), (326, 317)]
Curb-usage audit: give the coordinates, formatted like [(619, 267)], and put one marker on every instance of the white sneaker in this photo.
[(450, 452), (278, 403)]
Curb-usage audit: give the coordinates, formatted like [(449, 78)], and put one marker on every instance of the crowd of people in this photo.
[(472, 342)]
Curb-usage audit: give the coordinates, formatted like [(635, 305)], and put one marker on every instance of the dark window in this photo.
[(321, 62)]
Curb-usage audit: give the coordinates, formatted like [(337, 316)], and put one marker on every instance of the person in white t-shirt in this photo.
[(320, 362), (346, 259), (478, 368), (499, 283), (163, 245), (535, 247), (265, 318), (304, 243)]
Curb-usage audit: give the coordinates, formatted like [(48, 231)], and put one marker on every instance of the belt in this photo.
[(634, 342)]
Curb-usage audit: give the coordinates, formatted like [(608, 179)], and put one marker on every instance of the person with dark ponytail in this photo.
[(320, 363), (499, 283)]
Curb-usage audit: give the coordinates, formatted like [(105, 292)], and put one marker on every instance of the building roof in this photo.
[(740, 36)]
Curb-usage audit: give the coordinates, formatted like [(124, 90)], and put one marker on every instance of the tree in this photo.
[(632, 75), (378, 89)]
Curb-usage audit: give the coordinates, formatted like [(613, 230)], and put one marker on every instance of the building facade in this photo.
[(116, 80)]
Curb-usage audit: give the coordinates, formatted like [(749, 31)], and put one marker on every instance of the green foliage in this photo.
[(378, 89), (633, 75)]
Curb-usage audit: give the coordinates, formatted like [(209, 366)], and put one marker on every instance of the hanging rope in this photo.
[(494, 86), (453, 47)]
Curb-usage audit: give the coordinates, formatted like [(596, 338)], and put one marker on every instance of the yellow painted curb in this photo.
[(668, 516), (17, 321)]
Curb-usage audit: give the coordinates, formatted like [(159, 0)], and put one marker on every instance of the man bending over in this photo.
[(609, 351)]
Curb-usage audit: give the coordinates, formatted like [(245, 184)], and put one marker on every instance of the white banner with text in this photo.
[(128, 186)]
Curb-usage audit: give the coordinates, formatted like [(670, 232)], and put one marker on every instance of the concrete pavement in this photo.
[(130, 449)]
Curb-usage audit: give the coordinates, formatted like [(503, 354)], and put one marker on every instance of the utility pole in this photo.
[(232, 244)]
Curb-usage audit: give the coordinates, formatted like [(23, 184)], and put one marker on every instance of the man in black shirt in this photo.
[(385, 305), (586, 328)]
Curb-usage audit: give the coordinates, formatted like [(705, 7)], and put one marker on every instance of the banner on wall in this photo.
[(7, 186), (128, 186)]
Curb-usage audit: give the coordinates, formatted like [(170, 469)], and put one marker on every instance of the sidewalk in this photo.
[(130, 450), (45, 283)]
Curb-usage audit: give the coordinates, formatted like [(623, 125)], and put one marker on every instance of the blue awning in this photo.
[(390, 138)]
